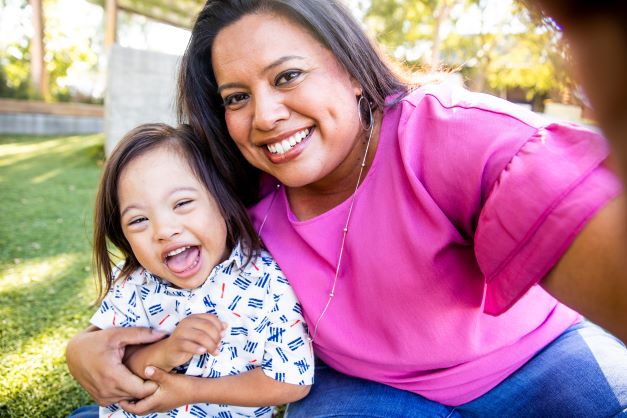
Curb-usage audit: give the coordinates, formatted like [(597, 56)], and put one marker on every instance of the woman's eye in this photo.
[(235, 100), (287, 76)]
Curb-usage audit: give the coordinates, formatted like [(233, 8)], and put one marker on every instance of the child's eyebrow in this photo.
[(126, 209)]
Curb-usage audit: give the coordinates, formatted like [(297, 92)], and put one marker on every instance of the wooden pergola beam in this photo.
[(111, 23), (38, 73)]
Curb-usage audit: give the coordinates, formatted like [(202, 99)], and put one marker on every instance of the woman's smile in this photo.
[(289, 148)]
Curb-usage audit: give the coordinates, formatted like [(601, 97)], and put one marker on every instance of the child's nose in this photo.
[(166, 229)]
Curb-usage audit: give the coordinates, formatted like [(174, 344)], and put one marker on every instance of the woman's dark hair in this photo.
[(200, 105), (107, 222)]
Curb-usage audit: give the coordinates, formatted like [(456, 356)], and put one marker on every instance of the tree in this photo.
[(414, 30), (495, 52), (69, 51)]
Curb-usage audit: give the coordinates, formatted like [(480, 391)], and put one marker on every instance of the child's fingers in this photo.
[(197, 341), (207, 321)]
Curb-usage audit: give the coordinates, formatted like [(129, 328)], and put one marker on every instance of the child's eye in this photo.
[(137, 221), (235, 100), (287, 76), (182, 203)]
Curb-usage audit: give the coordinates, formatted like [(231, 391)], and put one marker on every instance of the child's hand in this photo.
[(196, 334), (170, 394)]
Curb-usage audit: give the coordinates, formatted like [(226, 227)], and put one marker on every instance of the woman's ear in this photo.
[(357, 89)]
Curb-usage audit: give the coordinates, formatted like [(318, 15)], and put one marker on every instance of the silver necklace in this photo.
[(344, 231)]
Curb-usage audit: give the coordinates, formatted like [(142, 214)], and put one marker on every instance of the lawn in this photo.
[(47, 186)]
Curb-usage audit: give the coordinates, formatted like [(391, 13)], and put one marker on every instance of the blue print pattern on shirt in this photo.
[(266, 327)]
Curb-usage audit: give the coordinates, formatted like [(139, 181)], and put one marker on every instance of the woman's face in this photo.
[(290, 106)]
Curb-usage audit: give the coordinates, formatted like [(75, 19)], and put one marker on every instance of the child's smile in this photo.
[(169, 218), (184, 260)]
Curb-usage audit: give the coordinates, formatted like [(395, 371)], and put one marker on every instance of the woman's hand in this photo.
[(94, 358), (170, 394), (196, 334)]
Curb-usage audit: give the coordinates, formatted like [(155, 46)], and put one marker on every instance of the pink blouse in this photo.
[(469, 202)]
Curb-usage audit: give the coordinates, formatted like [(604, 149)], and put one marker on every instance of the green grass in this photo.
[(47, 186)]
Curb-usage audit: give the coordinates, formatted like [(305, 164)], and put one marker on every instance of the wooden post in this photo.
[(111, 23), (38, 73)]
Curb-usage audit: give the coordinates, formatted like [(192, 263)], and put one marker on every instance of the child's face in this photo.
[(169, 218)]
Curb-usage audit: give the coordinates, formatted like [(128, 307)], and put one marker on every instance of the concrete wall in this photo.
[(38, 118), (141, 88), (39, 124)]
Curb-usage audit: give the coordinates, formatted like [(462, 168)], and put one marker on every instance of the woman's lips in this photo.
[(286, 152)]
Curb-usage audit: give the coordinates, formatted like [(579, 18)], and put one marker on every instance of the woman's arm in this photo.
[(94, 358), (591, 277), (252, 388)]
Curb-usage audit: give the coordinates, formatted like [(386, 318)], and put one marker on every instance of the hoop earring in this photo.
[(363, 105)]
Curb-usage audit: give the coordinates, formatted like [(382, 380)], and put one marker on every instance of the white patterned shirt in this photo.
[(266, 326)]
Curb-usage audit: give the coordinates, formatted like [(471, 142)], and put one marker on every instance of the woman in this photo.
[(414, 226)]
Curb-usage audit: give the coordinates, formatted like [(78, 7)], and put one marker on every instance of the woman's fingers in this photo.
[(95, 359), (133, 336)]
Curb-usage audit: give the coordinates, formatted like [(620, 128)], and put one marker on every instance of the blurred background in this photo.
[(63, 51), (75, 75)]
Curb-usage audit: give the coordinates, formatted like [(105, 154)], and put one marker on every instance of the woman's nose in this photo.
[(269, 111)]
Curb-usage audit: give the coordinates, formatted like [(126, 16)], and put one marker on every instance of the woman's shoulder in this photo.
[(449, 100)]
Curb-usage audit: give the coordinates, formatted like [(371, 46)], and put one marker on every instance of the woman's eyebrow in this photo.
[(267, 68), (281, 60)]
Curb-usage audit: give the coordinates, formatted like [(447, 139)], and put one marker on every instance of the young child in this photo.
[(194, 269)]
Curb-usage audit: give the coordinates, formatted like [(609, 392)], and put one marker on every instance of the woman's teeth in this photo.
[(287, 144)]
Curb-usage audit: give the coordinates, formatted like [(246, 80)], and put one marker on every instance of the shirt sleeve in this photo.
[(514, 186), (542, 199), (288, 355), (121, 307)]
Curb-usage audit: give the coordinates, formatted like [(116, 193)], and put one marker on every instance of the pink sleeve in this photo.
[(540, 201)]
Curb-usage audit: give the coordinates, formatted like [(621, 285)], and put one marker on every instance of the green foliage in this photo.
[(64, 49), (46, 285), (15, 71), (518, 52)]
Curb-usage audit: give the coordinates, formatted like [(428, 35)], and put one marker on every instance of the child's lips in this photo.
[(183, 259)]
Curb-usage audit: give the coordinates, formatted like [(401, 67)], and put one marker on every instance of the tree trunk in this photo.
[(38, 73)]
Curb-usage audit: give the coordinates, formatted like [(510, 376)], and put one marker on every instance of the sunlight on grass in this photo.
[(25, 272), (46, 176), (15, 152)]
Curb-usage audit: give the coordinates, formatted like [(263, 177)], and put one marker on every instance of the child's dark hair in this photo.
[(107, 223)]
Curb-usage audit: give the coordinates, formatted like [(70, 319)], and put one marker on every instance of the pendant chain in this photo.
[(344, 231)]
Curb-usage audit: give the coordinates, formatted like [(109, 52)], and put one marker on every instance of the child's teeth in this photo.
[(177, 251)]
